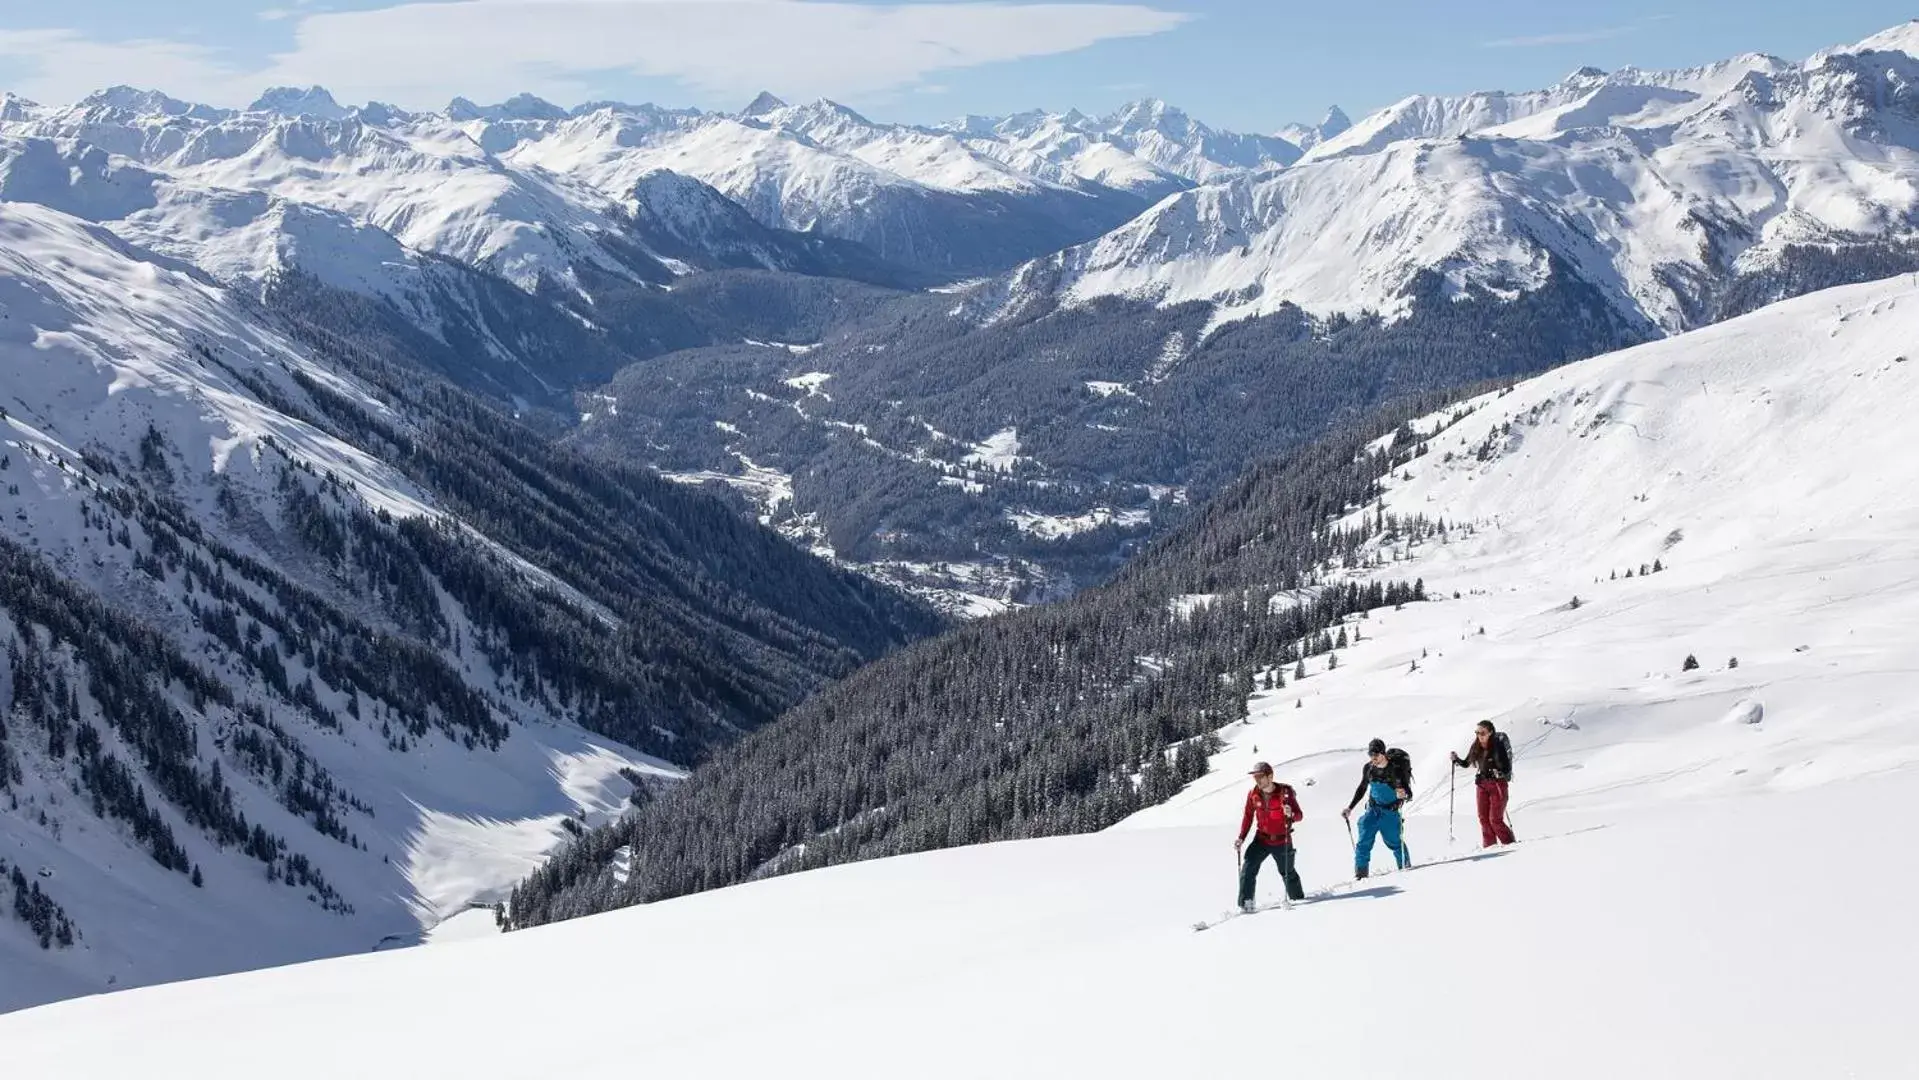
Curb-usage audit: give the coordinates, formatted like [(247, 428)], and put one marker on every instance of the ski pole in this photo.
[(1452, 802)]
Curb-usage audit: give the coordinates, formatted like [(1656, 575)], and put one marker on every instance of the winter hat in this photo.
[(1261, 768), (1377, 746)]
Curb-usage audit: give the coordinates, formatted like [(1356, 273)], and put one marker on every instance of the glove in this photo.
[(1455, 757), (1347, 813), (1238, 844)]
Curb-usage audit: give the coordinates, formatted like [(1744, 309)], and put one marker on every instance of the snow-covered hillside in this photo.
[(108, 351), (1681, 196), (1686, 898), (274, 685)]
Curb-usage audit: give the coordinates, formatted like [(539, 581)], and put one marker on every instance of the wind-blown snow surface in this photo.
[(1660, 189), (1693, 893)]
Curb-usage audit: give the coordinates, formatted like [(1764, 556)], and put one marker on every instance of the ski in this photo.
[(1275, 905)]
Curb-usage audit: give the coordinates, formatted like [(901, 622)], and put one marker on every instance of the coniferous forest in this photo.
[(1058, 719)]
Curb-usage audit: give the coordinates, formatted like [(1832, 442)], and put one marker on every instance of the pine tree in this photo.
[(1732, 663), (1299, 672), (1691, 664)]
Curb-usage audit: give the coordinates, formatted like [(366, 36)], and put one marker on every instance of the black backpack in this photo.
[(1506, 748), (1400, 764)]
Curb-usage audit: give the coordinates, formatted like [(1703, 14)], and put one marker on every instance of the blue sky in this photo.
[(1241, 64)]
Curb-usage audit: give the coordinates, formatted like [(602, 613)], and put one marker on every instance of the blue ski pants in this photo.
[(1383, 824)]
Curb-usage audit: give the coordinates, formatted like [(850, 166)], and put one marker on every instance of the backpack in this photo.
[(1400, 764), (1505, 748)]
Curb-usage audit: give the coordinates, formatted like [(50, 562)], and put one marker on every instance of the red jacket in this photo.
[(1274, 813)]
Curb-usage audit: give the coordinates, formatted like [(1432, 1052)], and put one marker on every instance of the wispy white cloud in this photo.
[(1570, 37), (421, 53), (68, 65)]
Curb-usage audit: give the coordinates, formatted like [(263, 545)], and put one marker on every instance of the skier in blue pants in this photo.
[(1386, 784)]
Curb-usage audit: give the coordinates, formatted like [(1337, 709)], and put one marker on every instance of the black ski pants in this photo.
[(1256, 853)]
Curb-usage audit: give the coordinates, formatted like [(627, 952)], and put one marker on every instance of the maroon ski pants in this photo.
[(1492, 813)]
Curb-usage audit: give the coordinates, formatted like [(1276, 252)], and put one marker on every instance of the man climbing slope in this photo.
[(1273, 808), (1492, 755), (1386, 782)]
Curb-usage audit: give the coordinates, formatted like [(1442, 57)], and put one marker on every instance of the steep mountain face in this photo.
[(303, 650), (1681, 195), (1681, 569)]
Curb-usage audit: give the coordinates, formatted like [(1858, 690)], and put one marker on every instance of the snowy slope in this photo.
[(1760, 465), (1073, 958), (102, 346), (1666, 837), (265, 696), (1670, 192)]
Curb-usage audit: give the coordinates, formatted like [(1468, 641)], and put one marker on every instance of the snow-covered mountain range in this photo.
[(1681, 195), (1492, 234), (527, 190), (303, 650), (1672, 818)]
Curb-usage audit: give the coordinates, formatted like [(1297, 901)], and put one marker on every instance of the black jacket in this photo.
[(1494, 760)]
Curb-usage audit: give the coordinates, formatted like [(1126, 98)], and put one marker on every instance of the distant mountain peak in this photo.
[(763, 104), (518, 107), (381, 114), (149, 103), (312, 101), (14, 108), (1585, 76), (1154, 114), (1330, 126)]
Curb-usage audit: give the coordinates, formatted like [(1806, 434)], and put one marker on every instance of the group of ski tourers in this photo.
[(1385, 786)]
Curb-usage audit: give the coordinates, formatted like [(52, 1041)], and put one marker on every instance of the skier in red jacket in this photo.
[(1273, 808)]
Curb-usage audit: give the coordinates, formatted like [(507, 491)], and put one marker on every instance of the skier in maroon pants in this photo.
[(1492, 755)]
